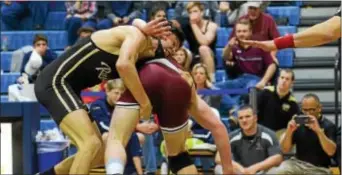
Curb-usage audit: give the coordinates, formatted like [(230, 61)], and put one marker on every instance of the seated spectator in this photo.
[(314, 140), (101, 110), (263, 25), (183, 57), (209, 9), (276, 104), (36, 60), (156, 9), (201, 36), (252, 67), (79, 13), (255, 148), (114, 13), (13, 12), (203, 81)]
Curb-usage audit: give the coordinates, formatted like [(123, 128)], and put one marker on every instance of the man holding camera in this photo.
[(314, 136)]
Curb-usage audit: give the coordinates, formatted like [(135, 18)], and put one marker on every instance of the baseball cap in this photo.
[(255, 4)]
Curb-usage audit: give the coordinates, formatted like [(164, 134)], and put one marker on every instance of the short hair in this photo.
[(244, 22), (289, 71), (85, 29), (39, 37), (115, 84), (245, 107), (311, 95), (194, 4)]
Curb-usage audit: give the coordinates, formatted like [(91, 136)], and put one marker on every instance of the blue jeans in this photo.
[(243, 81), (12, 14), (149, 153)]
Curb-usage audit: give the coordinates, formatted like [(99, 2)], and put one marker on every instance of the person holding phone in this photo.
[(314, 136)]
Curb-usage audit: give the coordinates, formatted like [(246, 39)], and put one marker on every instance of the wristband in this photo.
[(284, 42)]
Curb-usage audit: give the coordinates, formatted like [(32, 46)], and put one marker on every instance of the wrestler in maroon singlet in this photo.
[(168, 92)]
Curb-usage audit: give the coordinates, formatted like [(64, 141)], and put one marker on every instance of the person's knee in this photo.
[(204, 50), (91, 144)]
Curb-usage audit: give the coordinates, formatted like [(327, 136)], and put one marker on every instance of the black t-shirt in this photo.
[(190, 36), (308, 146), (275, 112)]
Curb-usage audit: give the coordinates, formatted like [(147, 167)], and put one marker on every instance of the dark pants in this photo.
[(13, 14)]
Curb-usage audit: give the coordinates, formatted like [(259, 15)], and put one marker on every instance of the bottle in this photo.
[(4, 43)]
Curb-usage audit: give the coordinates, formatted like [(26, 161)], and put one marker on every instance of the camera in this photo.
[(302, 119)]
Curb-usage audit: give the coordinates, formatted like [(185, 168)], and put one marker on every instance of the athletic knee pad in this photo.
[(179, 162)]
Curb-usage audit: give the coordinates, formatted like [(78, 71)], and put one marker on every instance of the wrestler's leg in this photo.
[(122, 125), (175, 145), (64, 166), (78, 127)]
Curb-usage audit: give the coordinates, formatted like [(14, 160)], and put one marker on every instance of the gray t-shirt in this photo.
[(249, 150)]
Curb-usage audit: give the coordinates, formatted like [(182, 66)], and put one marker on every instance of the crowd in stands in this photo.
[(263, 138)]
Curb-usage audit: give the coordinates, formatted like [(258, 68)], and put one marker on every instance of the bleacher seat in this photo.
[(291, 12), (57, 6), (3, 98), (222, 35), (6, 58), (17, 39), (219, 59), (220, 75), (55, 21), (285, 58), (8, 79), (283, 30), (170, 14)]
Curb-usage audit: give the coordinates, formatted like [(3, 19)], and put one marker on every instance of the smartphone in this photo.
[(302, 119)]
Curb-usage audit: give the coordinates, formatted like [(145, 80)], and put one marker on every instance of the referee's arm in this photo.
[(319, 34)]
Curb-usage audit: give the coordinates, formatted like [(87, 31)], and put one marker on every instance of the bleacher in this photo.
[(313, 66)]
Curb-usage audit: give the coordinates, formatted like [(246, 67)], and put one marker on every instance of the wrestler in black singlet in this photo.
[(84, 65)]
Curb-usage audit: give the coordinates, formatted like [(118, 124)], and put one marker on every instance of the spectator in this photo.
[(183, 58), (255, 148), (85, 32), (157, 12), (101, 110), (12, 13), (116, 13), (263, 25), (315, 141), (156, 8), (36, 60), (79, 13), (201, 35), (203, 81), (252, 66), (209, 9), (276, 104)]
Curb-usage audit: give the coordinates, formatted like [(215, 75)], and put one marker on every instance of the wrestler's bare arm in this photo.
[(133, 41), (204, 115), (319, 34)]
